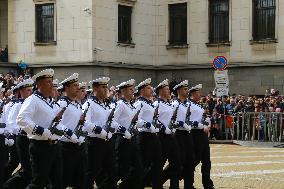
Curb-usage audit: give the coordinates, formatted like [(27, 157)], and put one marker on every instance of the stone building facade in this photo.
[(87, 39)]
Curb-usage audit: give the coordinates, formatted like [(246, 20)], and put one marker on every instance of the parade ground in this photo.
[(239, 167)]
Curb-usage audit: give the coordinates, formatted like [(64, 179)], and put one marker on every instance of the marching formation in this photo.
[(68, 140)]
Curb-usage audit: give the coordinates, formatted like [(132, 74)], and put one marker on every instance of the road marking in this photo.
[(256, 156), (253, 151), (259, 172), (246, 163)]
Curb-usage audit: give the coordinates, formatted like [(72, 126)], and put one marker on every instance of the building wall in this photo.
[(240, 35), (79, 33), (74, 33), (3, 23), (247, 81), (105, 22)]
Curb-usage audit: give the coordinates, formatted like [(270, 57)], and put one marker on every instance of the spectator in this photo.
[(4, 55)]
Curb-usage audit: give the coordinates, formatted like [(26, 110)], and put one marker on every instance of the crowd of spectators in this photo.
[(220, 109)]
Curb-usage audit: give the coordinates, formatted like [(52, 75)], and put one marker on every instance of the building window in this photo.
[(178, 24), (263, 19), (218, 21), (44, 23), (124, 24)]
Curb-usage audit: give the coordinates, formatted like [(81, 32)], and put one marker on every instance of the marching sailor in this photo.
[(182, 134), (147, 140), (55, 94), (36, 118), (101, 157), (22, 178), (125, 116), (200, 126), (169, 144), (81, 97), (14, 159), (72, 151), (4, 141)]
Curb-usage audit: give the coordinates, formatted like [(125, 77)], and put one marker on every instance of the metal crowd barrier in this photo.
[(253, 126)]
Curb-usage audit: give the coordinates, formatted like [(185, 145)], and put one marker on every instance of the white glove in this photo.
[(46, 134), (1, 131), (168, 131), (127, 135), (103, 134), (187, 127), (61, 127), (16, 131), (74, 138), (81, 140), (153, 130), (88, 128), (200, 126), (9, 142)]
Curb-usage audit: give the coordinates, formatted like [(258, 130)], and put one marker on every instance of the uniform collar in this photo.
[(163, 101), (129, 104), (20, 100), (184, 103), (69, 101), (97, 101), (39, 94), (145, 100), (195, 103), (48, 100), (66, 98)]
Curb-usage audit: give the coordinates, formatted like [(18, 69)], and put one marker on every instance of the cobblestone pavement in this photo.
[(239, 167)]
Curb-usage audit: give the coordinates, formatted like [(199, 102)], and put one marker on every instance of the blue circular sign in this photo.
[(220, 63), (23, 65)]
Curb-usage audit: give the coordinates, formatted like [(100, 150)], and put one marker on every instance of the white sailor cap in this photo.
[(47, 73), (100, 81), (162, 84), (71, 79), (125, 84), (83, 85), (25, 83), (181, 84), (55, 82), (143, 84), (196, 88)]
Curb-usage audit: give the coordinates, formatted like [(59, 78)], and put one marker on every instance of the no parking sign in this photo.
[(220, 63)]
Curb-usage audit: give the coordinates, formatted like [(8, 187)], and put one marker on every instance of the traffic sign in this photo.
[(220, 63)]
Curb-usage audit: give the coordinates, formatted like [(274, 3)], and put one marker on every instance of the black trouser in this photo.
[(130, 169), (202, 154), (13, 162), (101, 159), (102, 175), (186, 152), (149, 147), (73, 164), (170, 152), (23, 177), (3, 158), (46, 163)]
